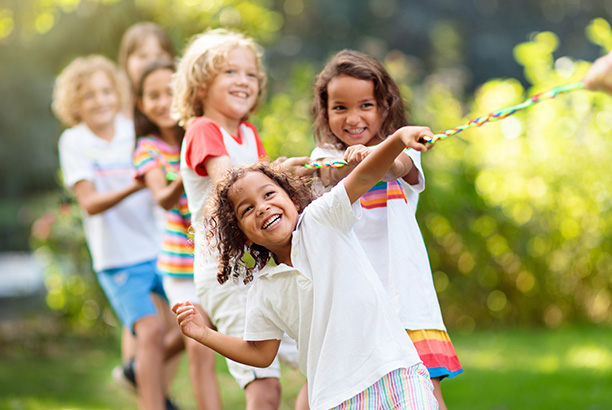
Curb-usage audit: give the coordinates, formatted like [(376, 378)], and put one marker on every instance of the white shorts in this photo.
[(180, 290), (225, 306)]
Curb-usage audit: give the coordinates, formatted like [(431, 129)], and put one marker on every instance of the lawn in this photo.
[(568, 368)]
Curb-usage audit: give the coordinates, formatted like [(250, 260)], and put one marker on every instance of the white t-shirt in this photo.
[(392, 240), (332, 303), (126, 234)]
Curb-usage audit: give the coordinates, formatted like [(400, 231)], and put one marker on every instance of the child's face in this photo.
[(157, 97), (148, 51), (233, 92), (354, 114), (264, 211), (98, 101)]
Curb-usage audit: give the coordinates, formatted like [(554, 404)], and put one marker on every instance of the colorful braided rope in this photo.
[(506, 112), (476, 122)]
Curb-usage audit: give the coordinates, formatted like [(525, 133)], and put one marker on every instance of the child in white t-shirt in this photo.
[(323, 293), (118, 217)]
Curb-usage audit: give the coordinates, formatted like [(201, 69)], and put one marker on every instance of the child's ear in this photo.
[(201, 93), (249, 243)]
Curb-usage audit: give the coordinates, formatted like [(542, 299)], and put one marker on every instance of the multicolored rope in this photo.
[(326, 163), (476, 122), (506, 112)]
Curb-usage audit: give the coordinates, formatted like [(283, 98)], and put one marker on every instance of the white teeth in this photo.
[(355, 130), (271, 221), (240, 94)]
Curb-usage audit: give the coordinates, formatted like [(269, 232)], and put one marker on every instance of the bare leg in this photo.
[(202, 373), (301, 403), (438, 392), (263, 394), (128, 345), (149, 358), (173, 341)]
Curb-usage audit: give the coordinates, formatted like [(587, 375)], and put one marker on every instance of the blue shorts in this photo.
[(129, 288)]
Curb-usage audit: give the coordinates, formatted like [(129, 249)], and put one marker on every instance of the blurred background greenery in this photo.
[(516, 214)]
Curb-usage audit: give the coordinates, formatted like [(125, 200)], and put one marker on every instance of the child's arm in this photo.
[(258, 354), (378, 162), (165, 194), (216, 167), (402, 167), (94, 202), (295, 165)]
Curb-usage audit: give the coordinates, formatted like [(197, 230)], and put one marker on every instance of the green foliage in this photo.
[(517, 221), (515, 215), (72, 289)]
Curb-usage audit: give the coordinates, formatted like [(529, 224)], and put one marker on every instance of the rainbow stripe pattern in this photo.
[(176, 255), (402, 388), (437, 352), (381, 193)]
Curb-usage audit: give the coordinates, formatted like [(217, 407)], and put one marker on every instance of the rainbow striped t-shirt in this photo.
[(176, 255)]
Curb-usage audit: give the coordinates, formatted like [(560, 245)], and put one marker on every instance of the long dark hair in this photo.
[(142, 124), (364, 67)]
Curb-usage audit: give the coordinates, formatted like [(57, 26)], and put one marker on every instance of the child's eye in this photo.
[(338, 107), (229, 71), (268, 194), (245, 210), (252, 75), (367, 105)]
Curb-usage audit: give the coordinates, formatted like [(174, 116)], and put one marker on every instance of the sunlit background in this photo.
[(516, 215)]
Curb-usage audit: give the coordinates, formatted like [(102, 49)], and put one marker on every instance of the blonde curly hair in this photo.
[(201, 62), (68, 85)]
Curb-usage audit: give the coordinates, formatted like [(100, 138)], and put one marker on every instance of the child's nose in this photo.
[(352, 118)]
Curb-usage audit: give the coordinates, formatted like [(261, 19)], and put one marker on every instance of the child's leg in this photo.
[(263, 394), (201, 358), (129, 292), (150, 356), (438, 392)]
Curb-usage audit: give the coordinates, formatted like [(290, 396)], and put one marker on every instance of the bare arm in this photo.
[(258, 354), (599, 76), (165, 194), (381, 159), (216, 167), (94, 202)]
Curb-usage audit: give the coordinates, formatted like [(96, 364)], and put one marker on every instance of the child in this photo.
[(96, 159), (356, 106), (219, 82), (157, 163), (142, 44), (324, 293)]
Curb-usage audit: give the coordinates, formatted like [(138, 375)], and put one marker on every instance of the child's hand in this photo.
[(599, 76), (295, 165), (190, 321), (356, 153), (415, 137)]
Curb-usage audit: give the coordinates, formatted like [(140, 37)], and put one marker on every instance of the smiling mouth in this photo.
[(356, 130), (240, 94), (271, 221)]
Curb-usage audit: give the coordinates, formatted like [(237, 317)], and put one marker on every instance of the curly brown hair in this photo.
[(364, 67), (224, 234)]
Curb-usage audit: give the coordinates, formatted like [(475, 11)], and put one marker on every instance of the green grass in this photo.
[(569, 368)]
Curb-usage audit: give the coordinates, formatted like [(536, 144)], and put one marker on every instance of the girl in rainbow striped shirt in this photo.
[(356, 106), (156, 159)]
